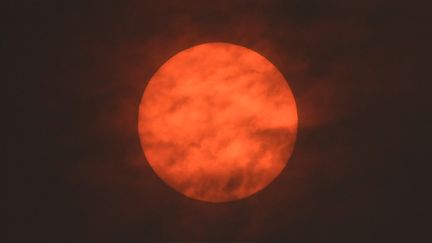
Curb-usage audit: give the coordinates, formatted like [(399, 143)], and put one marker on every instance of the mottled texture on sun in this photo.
[(217, 122)]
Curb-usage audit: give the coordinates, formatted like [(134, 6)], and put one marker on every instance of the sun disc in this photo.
[(217, 122)]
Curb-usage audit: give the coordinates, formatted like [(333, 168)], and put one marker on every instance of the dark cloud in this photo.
[(75, 72)]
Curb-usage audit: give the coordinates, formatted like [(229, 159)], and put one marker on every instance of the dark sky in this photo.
[(75, 73)]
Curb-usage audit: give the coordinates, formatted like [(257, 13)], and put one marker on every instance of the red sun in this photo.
[(217, 122)]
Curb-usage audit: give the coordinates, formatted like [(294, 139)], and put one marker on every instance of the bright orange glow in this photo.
[(217, 122)]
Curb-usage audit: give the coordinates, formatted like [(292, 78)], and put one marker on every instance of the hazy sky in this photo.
[(75, 73)]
